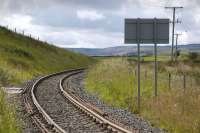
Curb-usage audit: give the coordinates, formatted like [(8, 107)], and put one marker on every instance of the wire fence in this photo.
[(168, 80)]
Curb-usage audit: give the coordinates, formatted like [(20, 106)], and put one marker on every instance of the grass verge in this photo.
[(8, 123), (175, 109)]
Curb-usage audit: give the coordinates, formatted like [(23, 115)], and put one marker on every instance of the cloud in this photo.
[(13, 20), (93, 23), (25, 6), (90, 15)]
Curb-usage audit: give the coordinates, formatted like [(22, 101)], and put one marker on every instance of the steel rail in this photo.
[(49, 120), (39, 124), (105, 122)]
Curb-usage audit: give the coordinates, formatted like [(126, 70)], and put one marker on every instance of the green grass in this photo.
[(105, 80), (134, 58), (115, 82), (8, 123), (23, 58)]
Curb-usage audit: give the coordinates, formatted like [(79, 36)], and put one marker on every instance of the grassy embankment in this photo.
[(176, 109), (23, 58)]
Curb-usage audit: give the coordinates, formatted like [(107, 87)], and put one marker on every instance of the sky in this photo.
[(94, 23)]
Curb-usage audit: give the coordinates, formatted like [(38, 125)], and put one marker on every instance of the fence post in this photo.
[(191, 82), (169, 76), (135, 73), (184, 87), (145, 75), (184, 82)]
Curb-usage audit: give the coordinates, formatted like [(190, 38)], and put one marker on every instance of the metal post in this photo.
[(138, 62), (176, 47), (155, 61), (169, 80), (138, 76), (184, 82), (173, 25), (155, 71), (176, 56)]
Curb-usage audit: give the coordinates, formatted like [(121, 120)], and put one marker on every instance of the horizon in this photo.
[(135, 45)]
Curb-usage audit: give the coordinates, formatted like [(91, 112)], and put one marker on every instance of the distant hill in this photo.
[(22, 58), (132, 50)]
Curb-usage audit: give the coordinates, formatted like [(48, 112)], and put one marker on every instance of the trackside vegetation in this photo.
[(176, 109), (23, 58), (8, 123)]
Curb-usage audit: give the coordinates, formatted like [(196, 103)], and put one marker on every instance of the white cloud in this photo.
[(17, 20), (63, 37), (23, 23), (90, 24), (90, 15)]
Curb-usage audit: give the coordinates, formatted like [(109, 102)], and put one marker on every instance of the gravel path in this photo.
[(128, 119), (61, 110)]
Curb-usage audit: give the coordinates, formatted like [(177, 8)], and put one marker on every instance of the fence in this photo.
[(168, 80), (22, 32)]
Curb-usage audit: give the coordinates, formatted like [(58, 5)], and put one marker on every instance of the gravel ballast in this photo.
[(65, 114), (125, 117)]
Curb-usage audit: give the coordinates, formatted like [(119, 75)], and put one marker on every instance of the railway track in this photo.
[(53, 109)]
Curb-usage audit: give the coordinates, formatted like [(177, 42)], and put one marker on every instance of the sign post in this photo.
[(138, 76), (155, 61), (147, 31), (138, 62)]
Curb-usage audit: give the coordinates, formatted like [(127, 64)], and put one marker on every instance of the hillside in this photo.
[(132, 50), (23, 58)]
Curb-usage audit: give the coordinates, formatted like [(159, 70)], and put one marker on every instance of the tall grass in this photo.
[(105, 80), (175, 109), (8, 123)]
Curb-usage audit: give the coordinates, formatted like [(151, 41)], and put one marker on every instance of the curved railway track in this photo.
[(53, 109)]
